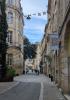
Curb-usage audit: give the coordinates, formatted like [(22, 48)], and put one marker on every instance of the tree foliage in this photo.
[(3, 35), (33, 48), (29, 49), (26, 47)]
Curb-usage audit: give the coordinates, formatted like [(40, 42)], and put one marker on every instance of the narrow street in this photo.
[(34, 49), (32, 87), (23, 91)]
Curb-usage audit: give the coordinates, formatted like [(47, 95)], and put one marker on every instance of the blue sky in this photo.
[(34, 28)]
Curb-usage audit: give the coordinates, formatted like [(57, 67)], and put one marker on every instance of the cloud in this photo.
[(35, 24), (33, 35), (37, 28), (34, 6), (34, 28)]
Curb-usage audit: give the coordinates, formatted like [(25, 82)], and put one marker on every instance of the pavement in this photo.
[(5, 86), (45, 89), (67, 96), (51, 92), (22, 91)]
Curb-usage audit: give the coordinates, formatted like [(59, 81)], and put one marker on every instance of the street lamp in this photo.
[(28, 17)]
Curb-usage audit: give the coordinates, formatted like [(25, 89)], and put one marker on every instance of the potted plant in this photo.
[(10, 73)]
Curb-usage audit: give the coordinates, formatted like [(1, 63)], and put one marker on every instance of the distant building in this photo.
[(38, 56), (29, 64), (15, 35)]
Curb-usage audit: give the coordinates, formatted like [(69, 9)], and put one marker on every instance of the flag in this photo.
[(39, 14), (34, 14), (44, 13)]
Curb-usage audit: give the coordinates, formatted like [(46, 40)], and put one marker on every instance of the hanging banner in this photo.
[(54, 41), (34, 14), (44, 13), (39, 14)]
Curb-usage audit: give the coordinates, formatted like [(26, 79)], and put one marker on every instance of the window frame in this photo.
[(10, 17), (10, 59), (9, 37)]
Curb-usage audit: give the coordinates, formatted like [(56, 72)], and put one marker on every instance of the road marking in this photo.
[(10, 87), (41, 92)]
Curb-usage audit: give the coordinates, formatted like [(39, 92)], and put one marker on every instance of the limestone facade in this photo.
[(59, 20), (15, 35), (38, 56), (64, 46), (43, 52)]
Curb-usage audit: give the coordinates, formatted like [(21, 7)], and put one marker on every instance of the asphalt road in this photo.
[(23, 91)]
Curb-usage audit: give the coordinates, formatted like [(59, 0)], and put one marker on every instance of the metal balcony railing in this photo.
[(15, 45)]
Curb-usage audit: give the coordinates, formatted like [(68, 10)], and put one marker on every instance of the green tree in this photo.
[(3, 35), (33, 48), (29, 49), (26, 47)]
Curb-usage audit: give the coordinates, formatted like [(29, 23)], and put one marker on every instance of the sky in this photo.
[(34, 28)]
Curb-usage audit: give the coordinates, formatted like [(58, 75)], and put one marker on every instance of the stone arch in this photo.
[(67, 49), (67, 39)]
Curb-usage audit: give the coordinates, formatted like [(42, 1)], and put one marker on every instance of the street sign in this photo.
[(54, 41)]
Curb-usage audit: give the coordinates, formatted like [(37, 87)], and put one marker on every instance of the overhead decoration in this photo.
[(35, 14)]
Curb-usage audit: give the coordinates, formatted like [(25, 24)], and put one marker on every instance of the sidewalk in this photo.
[(4, 86), (67, 97), (51, 92)]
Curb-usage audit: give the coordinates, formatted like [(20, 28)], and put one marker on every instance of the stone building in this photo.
[(51, 36), (59, 19), (64, 44), (29, 64), (43, 52), (47, 48), (15, 35), (38, 56), (51, 31)]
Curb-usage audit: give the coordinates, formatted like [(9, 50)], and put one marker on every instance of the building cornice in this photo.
[(15, 8)]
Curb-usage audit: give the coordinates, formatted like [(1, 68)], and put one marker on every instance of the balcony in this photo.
[(15, 45)]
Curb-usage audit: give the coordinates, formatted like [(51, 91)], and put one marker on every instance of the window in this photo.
[(10, 59), (10, 2), (9, 37), (10, 17)]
